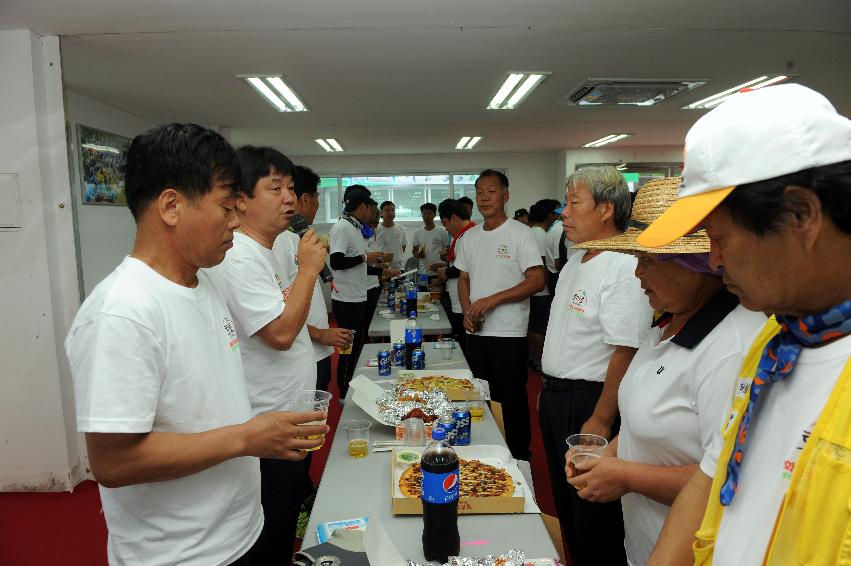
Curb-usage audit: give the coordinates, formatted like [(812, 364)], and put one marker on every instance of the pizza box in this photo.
[(482, 391), (522, 501), (365, 393)]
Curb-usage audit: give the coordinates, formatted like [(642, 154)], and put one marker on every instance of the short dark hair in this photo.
[(449, 208), (350, 188), (503, 180), (428, 206), (521, 212), (305, 180), (763, 207), (385, 203), (466, 201), (257, 162), (538, 212), (185, 157)]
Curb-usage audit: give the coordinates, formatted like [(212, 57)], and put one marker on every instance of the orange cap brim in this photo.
[(681, 218)]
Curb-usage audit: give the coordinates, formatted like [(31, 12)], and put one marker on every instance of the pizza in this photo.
[(442, 382), (477, 480)]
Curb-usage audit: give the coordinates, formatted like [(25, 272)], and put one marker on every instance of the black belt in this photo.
[(554, 384)]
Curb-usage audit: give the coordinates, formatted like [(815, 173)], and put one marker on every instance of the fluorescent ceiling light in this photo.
[(282, 98), (468, 142), (515, 88), (329, 144), (611, 138), (753, 84)]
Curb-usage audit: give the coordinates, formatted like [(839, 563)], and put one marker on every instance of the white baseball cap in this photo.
[(753, 136)]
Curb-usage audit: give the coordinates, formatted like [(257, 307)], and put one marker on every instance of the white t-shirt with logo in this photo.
[(372, 245), (433, 241), (541, 240), (598, 305), (349, 284), (786, 415), (258, 281), (149, 355), (497, 260), (392, 240), (671, 402)]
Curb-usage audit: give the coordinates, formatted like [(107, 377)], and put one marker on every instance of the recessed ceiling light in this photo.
[(329, 144), (468, 142), (276, 92), (753, 84), (515, 88), (611, 138)]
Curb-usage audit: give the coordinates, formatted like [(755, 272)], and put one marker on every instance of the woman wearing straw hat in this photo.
[(676, 389)]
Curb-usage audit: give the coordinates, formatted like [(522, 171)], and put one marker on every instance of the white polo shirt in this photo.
[(433, 241), (149, 355), (258, 282), (497, 260), (598, 305), (671, 402), (787, 413), (349, 284), (541, 240), (392, 240)]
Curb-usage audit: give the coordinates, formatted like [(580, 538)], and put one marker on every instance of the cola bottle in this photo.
[(440, 499)]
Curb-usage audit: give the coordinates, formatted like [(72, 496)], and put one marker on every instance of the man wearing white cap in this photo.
[(768, 174)]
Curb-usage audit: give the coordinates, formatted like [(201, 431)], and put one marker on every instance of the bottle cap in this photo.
[(438, 433)]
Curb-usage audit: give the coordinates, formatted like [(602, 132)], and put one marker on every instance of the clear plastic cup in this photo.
[(447, 348), (357, 437), (586, 447), (414, 432), (309, 401), (347, 349)]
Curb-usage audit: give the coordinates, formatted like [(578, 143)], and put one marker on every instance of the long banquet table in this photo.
[(379, 327), (356, 488)]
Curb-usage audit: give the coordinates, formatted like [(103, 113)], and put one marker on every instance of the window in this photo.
[(408, 191)]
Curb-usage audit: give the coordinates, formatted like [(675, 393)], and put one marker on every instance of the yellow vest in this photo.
[(813, 526)]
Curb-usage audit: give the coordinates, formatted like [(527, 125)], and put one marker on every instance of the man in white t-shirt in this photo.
[(324, 339), (599, 317), (349, 264), (768, 174), (539, 218), (500, 269), (431, 240), (269, 295), (456, 220), (158, 379), (377, 271), (391, 237)]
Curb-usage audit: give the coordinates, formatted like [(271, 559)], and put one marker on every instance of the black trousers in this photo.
[(349, 315), (593, 531), (501, 361), (283, 488), (372, 296), (323, 373)]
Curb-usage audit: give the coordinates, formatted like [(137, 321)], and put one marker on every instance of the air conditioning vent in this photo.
[(627, 92)]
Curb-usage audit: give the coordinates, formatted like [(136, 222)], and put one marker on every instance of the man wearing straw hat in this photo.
[(676, 388), (768, 174), (598, 318)]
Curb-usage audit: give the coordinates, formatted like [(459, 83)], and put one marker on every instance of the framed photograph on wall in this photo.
[(101, 157)]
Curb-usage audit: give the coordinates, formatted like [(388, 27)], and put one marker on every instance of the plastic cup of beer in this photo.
[(478, 322), (345, 350), (357, 438), (477, 409), (309, 401), (586, 447)]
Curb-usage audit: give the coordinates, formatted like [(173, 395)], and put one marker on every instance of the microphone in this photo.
[(299, 225)]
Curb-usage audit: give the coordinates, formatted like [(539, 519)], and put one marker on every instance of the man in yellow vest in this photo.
[(768, 174)]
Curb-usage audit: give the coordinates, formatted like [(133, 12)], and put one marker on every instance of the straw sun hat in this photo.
[(653, 198)]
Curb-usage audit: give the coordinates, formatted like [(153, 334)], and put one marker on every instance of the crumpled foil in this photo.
[(510, 558), (392, 409)]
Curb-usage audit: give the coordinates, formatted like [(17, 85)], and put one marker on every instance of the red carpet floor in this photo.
[(67, 529)]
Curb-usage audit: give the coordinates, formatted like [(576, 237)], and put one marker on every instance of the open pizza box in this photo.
[(521, 501), (365, 392), (480, 391)]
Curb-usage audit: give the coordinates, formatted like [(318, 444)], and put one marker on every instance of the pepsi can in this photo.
[(384, 365), (462, 426), (447, 423), (399, 354), (418, 359)]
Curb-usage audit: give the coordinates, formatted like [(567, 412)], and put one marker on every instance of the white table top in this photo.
[(356, 488), (380, 325)]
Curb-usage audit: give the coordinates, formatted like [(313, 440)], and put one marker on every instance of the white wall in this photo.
[(106, 232), (38, 443), (572, 157)]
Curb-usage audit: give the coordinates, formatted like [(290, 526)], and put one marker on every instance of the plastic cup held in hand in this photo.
[(309, 401), (586, 447)]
